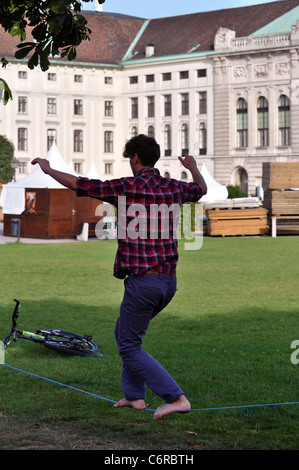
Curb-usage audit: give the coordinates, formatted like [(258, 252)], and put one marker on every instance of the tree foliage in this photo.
[(57, 28), (6, 156)]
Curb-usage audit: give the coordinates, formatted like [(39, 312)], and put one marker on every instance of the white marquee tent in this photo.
[(216, 191), (12, 198), (94, 174)]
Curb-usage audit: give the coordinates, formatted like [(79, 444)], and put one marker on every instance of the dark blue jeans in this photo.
[(144, 297)]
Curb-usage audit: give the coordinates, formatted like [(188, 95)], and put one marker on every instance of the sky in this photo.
[(162, 8)]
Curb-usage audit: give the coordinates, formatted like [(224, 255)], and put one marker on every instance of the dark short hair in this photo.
[(147, 149)]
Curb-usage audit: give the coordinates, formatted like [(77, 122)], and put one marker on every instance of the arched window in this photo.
[(151, 131), (185, 138), (242, 123), (184, 176), (284, 121), (240, 178), (134, 131), (262, 122), (167, 140), (202, 139)]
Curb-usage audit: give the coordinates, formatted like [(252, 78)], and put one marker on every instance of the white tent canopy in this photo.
[(94, 174), (216, 191), (12, 197)]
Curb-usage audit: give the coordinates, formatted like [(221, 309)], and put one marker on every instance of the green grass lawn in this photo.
[(226, 338)]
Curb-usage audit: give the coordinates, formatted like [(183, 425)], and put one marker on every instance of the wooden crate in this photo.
[(288, 225), (237, 222), (279, 202), (280, 175)]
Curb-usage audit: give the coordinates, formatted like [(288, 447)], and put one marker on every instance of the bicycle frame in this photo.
[(61, 341), (16, 334)]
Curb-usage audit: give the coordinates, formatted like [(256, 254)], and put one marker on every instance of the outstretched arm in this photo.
[(189, 162), (65, 179)]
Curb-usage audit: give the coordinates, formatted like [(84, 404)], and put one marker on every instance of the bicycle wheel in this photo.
[(70, 344)]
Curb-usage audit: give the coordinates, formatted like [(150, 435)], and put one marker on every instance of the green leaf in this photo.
[(39, 31), (15, 29), (44, 62), (21, 53), (4, 62), (58, 6), (53, 25), (71, 53), (33, 61), (7, 94), (25, 44)]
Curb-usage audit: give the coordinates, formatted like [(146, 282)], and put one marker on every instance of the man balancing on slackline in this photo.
[(146, 260)]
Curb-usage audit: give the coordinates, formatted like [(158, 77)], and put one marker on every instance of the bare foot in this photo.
[(181, 404), (137, 404)]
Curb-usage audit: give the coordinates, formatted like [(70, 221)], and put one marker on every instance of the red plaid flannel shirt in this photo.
[(135, 255)]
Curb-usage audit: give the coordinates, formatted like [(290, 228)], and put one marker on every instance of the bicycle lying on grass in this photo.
[(60, 341)]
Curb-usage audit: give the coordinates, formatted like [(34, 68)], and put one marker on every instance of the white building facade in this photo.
[(232, 107)]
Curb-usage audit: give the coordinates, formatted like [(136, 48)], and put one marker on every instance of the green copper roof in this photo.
[(283, 24)]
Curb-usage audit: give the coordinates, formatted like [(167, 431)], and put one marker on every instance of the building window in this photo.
[(51, 106), (108, 141), (108, 168), (78, 140), (184, 74), (185, 104), (52, 77), (167, 140), (184, 176), (284, 121), (202, 139), (78, 78), (108, 80), (262, 122), (242, 126), (150, 78), (22, 138), (166, 76), (108, 108), (22, 74), (203, 102), (185, 139), (78, 168), (22, 167), (167, 105), (78, 107), (133, 80), (134, 131), (134, 108), (22, 104), (51, 137), (151, 131), (201, 73), (150, 106)]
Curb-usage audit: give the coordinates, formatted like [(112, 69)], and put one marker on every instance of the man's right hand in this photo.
[(43, 163), (66, 179), (188, 162)]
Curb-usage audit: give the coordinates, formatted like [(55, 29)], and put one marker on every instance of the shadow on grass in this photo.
[(231, 358)]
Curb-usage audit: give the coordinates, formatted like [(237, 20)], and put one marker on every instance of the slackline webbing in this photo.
[(149, 409)]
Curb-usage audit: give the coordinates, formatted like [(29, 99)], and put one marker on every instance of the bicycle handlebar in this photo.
[(14, 324), (15, 313)]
